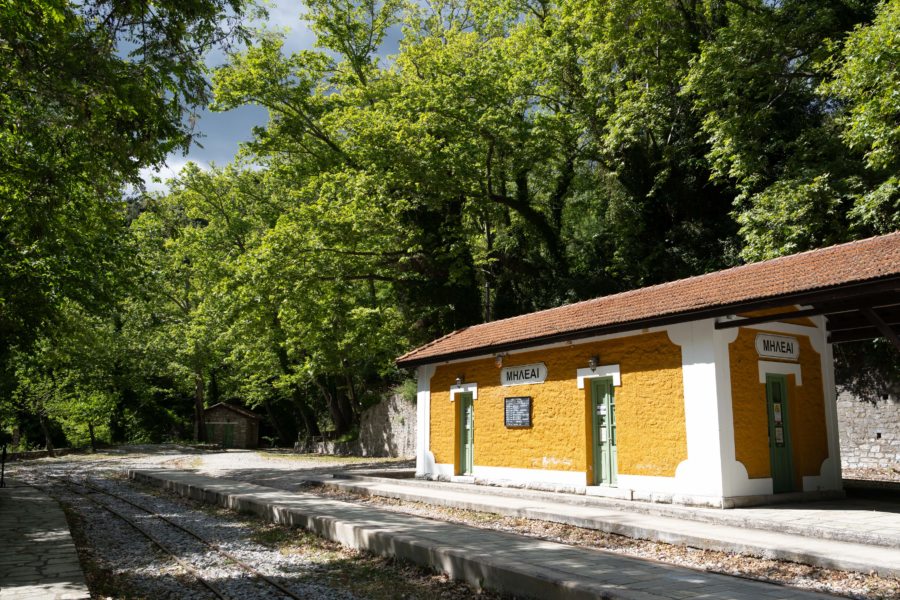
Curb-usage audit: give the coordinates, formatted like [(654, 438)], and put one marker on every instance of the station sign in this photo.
[(523, 374), (777, 346)]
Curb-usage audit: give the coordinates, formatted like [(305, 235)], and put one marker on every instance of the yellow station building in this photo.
[(714, 390)]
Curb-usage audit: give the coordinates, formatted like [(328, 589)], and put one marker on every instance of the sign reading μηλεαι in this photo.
[(522, 374), (777, 346)]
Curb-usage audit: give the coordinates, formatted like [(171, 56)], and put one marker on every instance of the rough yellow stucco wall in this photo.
[(650, 409), (806, 409)]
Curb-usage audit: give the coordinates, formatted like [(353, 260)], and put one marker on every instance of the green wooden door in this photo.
[(779, 434), (603, 414), (228, 435), (466, 432)]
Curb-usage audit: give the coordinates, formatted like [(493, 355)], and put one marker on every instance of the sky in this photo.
[(221, 133)]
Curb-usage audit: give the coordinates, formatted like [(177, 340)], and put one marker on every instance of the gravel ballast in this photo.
[(120, 563)]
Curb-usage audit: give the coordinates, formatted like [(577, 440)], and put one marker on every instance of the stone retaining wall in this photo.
[(389, 428), (869, 431), (386, 429)]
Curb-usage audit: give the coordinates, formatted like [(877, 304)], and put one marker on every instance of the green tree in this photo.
[(771, 133), (866, 80), (66, 379), (90, 93), (181, 271), (511, 156), (497, 131)]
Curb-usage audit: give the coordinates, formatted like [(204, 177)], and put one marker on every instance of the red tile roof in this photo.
[(703, 296)]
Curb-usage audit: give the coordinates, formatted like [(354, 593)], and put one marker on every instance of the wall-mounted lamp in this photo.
[(593, 363), (460, 379), (498, 361)]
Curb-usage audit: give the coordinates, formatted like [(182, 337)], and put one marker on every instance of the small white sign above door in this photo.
[(523, 374), (777, 346)]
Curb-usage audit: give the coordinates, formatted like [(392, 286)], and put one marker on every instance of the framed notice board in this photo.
[(517, 411)]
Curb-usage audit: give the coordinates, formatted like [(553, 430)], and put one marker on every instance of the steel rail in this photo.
[(249, 568), (184, 564)]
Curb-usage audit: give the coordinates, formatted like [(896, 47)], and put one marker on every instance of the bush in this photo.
[(407, 389)]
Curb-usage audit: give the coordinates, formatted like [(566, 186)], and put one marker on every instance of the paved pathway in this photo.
[(511, 563), (37, 555)]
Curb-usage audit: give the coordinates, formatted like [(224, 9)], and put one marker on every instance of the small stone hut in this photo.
[(713, 390), (231, 426)]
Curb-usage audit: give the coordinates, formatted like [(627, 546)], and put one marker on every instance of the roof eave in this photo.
[(835, 293)]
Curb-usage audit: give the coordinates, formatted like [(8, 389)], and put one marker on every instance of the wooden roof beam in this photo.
[(859, 334), (855, 319), (790, 314), (883, 327)]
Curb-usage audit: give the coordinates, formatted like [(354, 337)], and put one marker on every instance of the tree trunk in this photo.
[(276, 423), (488, 272), (307, 415), (350, 406), (46, 430), (336, 406), (199, 418), (214, 393), (91, 434)]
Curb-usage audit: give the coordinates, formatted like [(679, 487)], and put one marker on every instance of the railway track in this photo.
[(92, 491)]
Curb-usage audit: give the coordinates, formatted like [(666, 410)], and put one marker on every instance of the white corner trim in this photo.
[(424, 458), (442, 471), (779, 368), (831, 419), (701, 473), (463, 389), (827, 479), (601, 371)]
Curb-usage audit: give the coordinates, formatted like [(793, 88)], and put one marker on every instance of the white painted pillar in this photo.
[(424, 457), (735, 480), (830, 472), (701, 473)]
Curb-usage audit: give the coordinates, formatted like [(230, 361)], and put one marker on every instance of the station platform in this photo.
[(38, 560), (505, 562), (845, 534)]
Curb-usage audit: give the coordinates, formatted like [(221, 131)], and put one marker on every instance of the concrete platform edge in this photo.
[(480, 571), (639, 506), (841, 563)]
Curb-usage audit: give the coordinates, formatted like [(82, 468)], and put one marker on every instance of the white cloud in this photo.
[(285, 16), (155, 178), (284, 13), (221, 133)]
